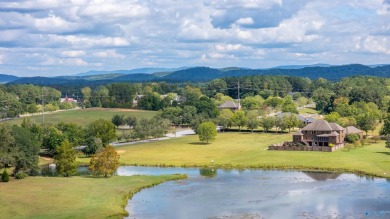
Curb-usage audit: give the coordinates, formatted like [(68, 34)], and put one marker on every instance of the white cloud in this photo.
[(108, 54), (2, 58), (73, 53), (109, 9), (55, 24), (377, 44), (113, 34), (65, 62), (245, 21)]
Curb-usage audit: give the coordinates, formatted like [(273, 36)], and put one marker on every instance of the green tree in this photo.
[(239, 119), (188, 114), (65, 159), (105, 162), (87, 93), (7, 149), (323, 99), (387, 141), (52, 139), (102, 129), (131, 121), (385, 130), (225, 118), (253, 120), (291, 121), (289, 105), (207, 132), (26, 158), (73, 132), (118, 120), (252, 102), (267, 123), (5, 176), (143, 129), (93, 145), (352, 138), (366, 122), (173, 114), (332, 117), (159, 127)]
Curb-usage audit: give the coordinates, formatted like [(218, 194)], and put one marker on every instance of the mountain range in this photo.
[(201, 74)]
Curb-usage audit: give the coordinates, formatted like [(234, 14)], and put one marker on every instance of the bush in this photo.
[(331, 145), (5, 176), (351, 138), (20, 175)]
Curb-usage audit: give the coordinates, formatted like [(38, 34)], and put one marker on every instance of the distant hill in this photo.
[(7, 78), (302, 66), (193, 74), (203, 74), (132, 71)]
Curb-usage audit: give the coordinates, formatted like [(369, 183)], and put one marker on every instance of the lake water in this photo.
[(224, 194)]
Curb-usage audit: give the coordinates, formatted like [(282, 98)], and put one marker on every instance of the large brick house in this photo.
[(320, 133)]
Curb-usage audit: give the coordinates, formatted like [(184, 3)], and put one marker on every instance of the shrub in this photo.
[(351, 138), (20, 175), (331, 145), (5, 176)]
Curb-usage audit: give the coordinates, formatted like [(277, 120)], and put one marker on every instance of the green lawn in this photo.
[(308, 111), (75, 197), (250, 150), (85, 116)]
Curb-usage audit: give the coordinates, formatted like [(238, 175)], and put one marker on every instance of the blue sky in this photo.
[(62, 37)]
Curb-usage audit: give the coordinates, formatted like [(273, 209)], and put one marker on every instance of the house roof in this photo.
[(352, 130), (318, 125), (230, 105), (298, 133), (336, 127), (329, 135)]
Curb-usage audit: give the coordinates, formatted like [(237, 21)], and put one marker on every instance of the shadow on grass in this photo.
[(386, 153), (199, 143)]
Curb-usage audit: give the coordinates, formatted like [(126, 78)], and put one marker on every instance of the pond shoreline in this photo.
[(266, 167)]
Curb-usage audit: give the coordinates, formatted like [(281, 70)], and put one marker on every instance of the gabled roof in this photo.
[(336, 127), (329, 135), (298, 133), (318, 125), (352, 130), (230, 105)]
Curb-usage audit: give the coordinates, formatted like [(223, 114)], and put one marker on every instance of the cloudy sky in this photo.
[(61, 37)]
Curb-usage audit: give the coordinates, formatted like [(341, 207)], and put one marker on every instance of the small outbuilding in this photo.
[(354, 130), (230, 105)]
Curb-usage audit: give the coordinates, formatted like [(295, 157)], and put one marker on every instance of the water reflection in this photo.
[(50, 171), (249, 193), (207, 172), (322, 176)]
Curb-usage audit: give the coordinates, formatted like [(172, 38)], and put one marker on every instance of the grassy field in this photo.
[(75, 197), (250, 150), (85, 116), (308, 111)]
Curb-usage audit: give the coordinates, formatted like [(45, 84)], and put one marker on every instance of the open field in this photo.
[(308, 111), (85, 116), (250, 150), (74, 197)]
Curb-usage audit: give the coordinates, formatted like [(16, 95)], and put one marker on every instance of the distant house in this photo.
[(136, 99), (230, 105), (353, 130), (320, 133), (68, 100)]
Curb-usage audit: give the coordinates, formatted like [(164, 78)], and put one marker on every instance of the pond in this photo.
[(211, 193)]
